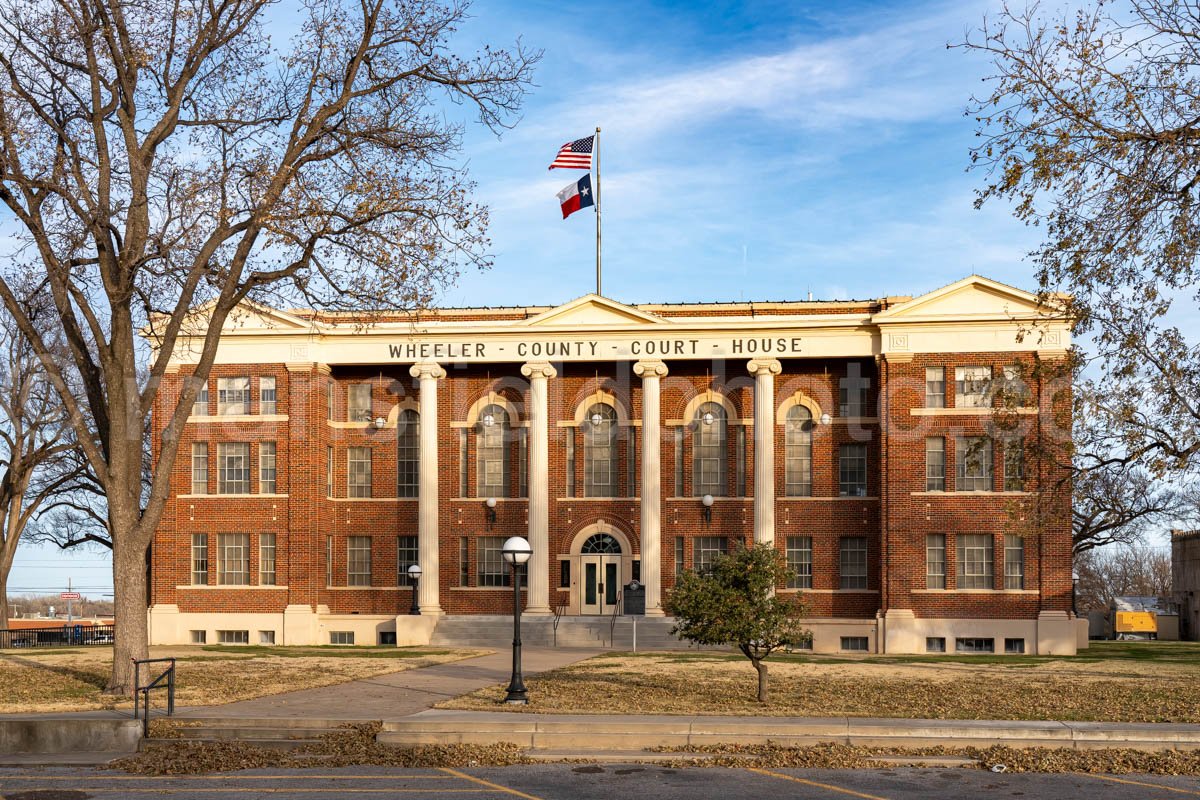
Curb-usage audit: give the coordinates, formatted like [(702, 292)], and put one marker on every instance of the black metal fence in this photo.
[(61, 636)]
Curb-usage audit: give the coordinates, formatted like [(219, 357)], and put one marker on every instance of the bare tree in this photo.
[(35, 444), (1122, 571), (1090, 129), (167, 156)]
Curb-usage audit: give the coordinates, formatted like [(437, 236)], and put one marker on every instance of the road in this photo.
[(588, 782)]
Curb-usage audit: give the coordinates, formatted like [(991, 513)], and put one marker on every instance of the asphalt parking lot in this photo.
[(587, 781)]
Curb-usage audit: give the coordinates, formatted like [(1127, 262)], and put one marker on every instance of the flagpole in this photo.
[(597, 148)]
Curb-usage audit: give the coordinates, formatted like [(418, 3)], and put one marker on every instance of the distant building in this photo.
[(1185, 581)]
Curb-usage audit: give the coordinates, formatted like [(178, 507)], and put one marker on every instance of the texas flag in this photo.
[(576, 196)]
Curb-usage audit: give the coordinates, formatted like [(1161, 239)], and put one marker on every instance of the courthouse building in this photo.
[(626, 442)]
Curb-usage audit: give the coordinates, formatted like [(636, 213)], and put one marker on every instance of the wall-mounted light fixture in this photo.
[(490, 503), (826, 419), (708, 418), (488, 420), (707, 502), (379, 423)]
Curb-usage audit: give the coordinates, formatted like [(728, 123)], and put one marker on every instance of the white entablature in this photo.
[(972, 315)]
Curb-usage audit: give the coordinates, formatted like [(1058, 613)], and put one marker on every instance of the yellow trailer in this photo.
[(1135, 625)]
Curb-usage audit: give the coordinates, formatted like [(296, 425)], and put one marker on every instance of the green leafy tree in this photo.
[(734, 602)]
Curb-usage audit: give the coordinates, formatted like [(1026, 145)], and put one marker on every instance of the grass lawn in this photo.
[(1111, 681), (73, 679)]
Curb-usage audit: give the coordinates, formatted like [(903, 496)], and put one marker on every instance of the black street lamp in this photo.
[(414, 575), (516, 552)]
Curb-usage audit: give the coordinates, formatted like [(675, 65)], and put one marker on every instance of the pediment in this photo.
[(973, 297), (249, 317), (594, 311)]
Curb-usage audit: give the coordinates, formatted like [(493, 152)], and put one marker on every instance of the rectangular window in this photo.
[(974, 645), (1014, 465), (408, 454), (407, 553), (200, 404), (266, 468), (462, 463), (492, 571), (799, 562), (935, 464), (935, 561), (329, 472), (935, 644), (975, 560), (329, 561), (569, 442), (1014, 561), (266, 637), (233, 396), (935, 388), (266, 559), (341, 637), (199, 637), (852, 470), (855, 644), (329, 400), (1013, 391), (492, 451), (972, 387), (233, 559), (266, 396), (564, 574), (973, 468), (358, 472), (522, 462), (631, 461), (852, 392), (358, 560), (199, 467), (706, 550), (464, 562), (233, 468), (358, 402), (679, 462), (199, 559), (233, 637), (740, 456), (852, 562), (1014, 647), (680, 564)]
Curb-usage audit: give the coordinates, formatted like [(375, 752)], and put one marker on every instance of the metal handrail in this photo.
[(559, 610), (168, 674), (612, 625)]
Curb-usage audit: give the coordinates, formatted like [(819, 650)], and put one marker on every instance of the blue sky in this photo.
[(750, 151)]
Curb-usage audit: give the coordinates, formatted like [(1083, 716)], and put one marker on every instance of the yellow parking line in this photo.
[(817, 784), (488, 784), (1144, 783), (219, 777)]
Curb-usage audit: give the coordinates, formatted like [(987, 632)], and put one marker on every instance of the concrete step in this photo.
[(622, 756), (268, 743), (250, 733)]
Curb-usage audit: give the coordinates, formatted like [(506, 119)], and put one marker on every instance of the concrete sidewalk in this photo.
[(394, 695)]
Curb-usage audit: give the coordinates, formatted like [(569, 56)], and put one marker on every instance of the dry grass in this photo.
[(73, 680), (1113, 683)]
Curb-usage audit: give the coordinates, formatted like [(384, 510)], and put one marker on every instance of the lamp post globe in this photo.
[(414, 573), (516, 551)]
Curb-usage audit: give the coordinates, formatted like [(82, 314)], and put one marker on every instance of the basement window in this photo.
[(199, 637), (266, 637), (935, 644), (233, 637), (1014, 647), (854, 644), (341, 637), (973, 645)]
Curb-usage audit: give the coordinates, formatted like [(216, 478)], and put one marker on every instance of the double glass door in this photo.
[(601, 583)]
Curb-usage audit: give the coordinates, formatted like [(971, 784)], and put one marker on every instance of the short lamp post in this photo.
[(516, 552), (707, 502), (414, 575)]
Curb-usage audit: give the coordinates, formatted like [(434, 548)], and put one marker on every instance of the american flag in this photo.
[(574, 155)]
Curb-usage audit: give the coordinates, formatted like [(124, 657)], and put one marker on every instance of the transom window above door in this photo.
[(601, 544)]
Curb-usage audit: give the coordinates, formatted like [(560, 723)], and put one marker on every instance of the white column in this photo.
[(764, 371), (538, 599), (651, 519), (428, 598)]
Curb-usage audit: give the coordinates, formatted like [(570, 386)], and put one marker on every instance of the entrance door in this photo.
[(601, 584), (601, 569)]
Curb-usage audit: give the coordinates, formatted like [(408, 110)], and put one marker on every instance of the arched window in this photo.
[(407, 453), (798, 452), (600, 451), (601, 544), (492, 437), (709, 450)]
